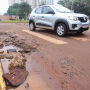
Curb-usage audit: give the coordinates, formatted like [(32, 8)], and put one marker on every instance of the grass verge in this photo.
[(15, 21)]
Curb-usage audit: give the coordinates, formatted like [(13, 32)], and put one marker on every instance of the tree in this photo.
[(14, 9), (81, 6), (61, 2), (66, 3), (24, 10), (21, 10)]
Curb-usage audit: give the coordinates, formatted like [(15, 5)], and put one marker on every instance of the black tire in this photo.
[(62, 31), (32, 26)]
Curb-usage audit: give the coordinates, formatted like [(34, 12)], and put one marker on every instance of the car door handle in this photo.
[(33, 16)]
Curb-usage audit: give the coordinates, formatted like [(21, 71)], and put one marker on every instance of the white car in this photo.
[(58, 18)]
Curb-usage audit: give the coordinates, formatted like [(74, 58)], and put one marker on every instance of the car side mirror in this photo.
[(51, 12)]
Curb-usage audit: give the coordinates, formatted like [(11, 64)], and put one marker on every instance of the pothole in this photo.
[(13, 60)]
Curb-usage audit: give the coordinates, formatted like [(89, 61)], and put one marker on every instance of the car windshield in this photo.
[(60, 8)]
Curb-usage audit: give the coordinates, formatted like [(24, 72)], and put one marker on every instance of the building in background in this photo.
[(33, 3)]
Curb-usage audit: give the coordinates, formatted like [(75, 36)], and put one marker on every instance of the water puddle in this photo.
[(9, 47)]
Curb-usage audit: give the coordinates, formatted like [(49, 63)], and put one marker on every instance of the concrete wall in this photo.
[(6, 18)]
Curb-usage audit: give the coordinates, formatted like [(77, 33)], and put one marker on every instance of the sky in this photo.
[(4, 6)]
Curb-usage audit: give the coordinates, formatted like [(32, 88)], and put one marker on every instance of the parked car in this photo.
[(58, 18)]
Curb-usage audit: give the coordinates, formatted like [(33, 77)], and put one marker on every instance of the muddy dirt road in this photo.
[(58, 63)]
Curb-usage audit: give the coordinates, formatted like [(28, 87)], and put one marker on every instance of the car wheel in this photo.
[(61, 29), (32, 26)]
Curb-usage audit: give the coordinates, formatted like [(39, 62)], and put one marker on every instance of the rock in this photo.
[(17, 61), (2, 56), (11, 50), (6, 55), (16, 76), (7, 40), (27, 50), (27, 86), (1, 51), (21, 50), (34, 46), (1, 45), (9, 56), (12, 36)]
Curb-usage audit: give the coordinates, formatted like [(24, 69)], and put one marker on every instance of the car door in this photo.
[(38, 16), (48, 15)]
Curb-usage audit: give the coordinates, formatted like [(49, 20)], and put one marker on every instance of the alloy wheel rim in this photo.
[(31, 26), (60, 30)]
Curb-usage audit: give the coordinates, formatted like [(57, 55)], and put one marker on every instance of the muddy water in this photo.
[(5, 48)]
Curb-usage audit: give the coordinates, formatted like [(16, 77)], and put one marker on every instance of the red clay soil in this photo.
[(67, 67)]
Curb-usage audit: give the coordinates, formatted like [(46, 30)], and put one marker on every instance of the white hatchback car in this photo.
[(58, 18)]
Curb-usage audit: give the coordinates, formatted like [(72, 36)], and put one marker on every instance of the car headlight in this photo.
[(73, 18)]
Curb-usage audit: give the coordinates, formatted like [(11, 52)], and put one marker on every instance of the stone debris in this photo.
[(11, 50), (17, 61), (1, 45), (13, 40), (27, 86), (16, 77), (13, 65), (1, 51), (8, 56), (2, 56)]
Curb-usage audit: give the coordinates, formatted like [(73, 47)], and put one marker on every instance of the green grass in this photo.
[(15, 21)]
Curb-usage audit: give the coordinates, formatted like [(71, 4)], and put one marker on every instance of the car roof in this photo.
[(46, 5), (50, 5)]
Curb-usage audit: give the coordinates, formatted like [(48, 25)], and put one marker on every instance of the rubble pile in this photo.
[(13, 40), (12, 51), (16, 67), (17, 61)]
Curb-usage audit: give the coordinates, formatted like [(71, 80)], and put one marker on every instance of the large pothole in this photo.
[(13, 60)]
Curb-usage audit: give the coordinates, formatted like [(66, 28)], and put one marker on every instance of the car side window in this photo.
[(47, 10), (38, 10)]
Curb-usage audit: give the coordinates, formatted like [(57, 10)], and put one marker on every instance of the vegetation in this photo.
[(22, 10), (15, 21), (79, 6)]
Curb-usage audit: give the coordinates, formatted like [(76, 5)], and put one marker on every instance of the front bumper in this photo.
[(78, 26), (80, 30)]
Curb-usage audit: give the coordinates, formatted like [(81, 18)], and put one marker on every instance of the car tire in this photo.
[(61, 30), (32, 26)]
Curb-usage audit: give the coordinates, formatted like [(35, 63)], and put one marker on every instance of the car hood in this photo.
[(73, 14)]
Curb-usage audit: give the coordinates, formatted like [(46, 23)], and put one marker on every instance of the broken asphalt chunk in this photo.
[(18, 61), (16, 77)]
